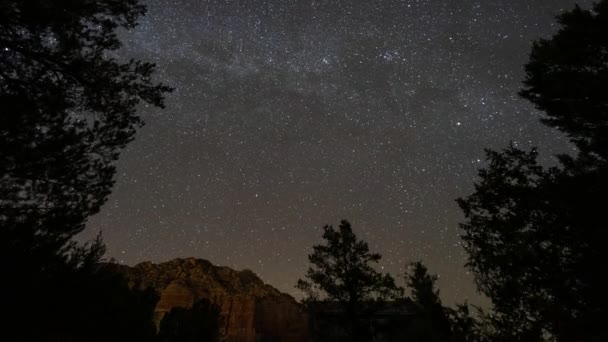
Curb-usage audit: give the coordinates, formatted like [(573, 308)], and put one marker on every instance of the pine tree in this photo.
[(432, 322), (343, 273)]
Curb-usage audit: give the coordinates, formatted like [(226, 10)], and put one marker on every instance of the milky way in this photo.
[(288, 115)]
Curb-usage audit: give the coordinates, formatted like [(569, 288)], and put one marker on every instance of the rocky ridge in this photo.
[(250, 310)]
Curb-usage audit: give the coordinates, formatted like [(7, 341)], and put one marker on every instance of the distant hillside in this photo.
[(250, 310)]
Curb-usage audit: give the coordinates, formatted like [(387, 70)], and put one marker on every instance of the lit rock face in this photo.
[(251, 311)]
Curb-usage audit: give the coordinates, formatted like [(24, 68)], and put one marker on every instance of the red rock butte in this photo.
[(250, 311)]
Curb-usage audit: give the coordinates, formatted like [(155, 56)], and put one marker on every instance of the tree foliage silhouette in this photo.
[(566, 78), (343, 272), (465, 327), (433, 321), (68, 108), (424, 292), (534, 235), (100, 305), (199, 323)]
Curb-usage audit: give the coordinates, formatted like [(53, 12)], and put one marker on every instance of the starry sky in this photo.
[(291, 114)]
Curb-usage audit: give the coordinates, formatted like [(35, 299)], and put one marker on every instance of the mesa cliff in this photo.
[(250, 311)]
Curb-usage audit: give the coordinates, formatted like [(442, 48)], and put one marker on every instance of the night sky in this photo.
[(288, 115)]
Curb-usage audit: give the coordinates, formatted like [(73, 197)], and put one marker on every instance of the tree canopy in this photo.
[(342, 272), (432, 322), (534, 235), (567, 75), (68, 107)]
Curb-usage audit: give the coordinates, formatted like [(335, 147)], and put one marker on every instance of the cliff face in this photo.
[(251, 311)]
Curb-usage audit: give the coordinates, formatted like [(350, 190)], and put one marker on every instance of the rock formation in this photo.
[(251, 311)]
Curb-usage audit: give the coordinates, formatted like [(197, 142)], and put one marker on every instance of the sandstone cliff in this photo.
[(251, 311)]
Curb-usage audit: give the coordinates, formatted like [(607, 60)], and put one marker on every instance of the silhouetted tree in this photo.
[(465, 327), (343, 273), (424, 292), (199, 323), (534, 235), (102, 306), (85, 300), (68, 108), (567, 77), (432, 322), (508, 219)]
